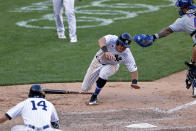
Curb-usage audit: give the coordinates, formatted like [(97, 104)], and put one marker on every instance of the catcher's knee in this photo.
[(101, 82)]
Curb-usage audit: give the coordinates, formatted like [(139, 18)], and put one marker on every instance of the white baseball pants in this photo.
[(97, 70), (69, 11)]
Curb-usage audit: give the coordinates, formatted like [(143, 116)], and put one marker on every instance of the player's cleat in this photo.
[(73, 40), (93, 100), (61, 36)]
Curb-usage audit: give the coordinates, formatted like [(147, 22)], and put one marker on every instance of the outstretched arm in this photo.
[(163, 33), (3, 118), (194, 54), (134, 79)]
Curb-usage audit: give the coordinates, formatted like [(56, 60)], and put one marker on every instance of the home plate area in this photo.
[(124, 120)]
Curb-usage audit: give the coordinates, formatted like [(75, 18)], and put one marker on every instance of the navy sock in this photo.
[(97, 90)]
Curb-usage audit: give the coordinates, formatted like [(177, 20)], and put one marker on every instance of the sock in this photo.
[(97, 90)]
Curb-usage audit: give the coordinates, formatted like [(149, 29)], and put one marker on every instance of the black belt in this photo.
[(33, 127)]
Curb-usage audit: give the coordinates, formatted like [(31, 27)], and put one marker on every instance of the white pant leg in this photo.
[(91, 75), (108, 70), (58, 11), (71, 18), (20, 128)]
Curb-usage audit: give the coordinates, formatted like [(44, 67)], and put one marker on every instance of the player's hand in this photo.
[(135, 86), (109, 56)]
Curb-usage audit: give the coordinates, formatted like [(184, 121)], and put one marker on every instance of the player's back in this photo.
[(37, 111)]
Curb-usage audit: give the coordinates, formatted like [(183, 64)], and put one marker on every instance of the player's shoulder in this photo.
[(110, 36)]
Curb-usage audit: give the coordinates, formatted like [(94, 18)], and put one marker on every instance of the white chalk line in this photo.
[(107, 10), (155, 109)]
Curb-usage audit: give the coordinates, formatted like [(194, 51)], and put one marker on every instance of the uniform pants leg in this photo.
[(70, 12), (91, 75), (108, 70), (58, 11)]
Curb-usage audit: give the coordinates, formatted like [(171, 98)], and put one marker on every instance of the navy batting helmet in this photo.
[(36, 91), (185, 4), (124, 39)]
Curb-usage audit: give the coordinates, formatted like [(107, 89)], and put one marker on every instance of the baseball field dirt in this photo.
[(161, 105)]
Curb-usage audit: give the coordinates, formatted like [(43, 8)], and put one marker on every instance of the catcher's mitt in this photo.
[(143, 40)]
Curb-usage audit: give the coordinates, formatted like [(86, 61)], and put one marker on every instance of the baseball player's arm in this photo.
[(165, 32), (194, 55), (4, 118), (134, 79), (102, 45)]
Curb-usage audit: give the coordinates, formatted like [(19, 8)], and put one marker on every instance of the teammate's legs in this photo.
[(69, 10), (58, 10), (91, 75)]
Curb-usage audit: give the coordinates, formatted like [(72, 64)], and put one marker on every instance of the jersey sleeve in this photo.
[(178, 25), (110, 39), (130, 62), (54, 116), (16, 110)]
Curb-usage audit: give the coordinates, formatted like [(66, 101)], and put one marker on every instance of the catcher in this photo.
[(186, 23)]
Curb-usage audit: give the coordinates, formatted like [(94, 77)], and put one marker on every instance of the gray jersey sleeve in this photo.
[(178, 25)]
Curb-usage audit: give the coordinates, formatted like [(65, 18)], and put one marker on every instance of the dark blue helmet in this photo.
[(36, 91), (124, 39), (185, 4)]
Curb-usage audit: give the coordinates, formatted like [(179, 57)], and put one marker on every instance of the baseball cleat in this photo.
[(73, 40), (61, 36), (93, 100)]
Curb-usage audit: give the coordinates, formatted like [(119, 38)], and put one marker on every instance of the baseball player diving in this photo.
[(106, 62), (38, 113), (186, 23)]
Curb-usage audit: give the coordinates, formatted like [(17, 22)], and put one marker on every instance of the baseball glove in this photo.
[(144, 40)]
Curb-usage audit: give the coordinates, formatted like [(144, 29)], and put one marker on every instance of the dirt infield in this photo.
[(161, 105)]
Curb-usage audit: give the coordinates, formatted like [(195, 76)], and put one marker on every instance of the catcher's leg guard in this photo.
[(194, 88)]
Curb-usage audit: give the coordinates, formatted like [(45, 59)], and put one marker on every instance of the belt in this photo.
[(38, 128)]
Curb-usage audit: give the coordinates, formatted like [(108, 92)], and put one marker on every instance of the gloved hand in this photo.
[(144, 40)]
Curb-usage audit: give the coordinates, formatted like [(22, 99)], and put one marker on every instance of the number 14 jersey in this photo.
[(35, 111)]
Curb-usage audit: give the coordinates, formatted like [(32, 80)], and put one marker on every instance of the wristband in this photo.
[(156, 36), (134, 81), (104, 48)]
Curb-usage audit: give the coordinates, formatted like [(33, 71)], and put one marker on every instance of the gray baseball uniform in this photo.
[(187, 23)]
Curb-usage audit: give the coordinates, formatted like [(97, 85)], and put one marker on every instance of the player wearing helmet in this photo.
[(186, 23), (106, 62), (38, 113)]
